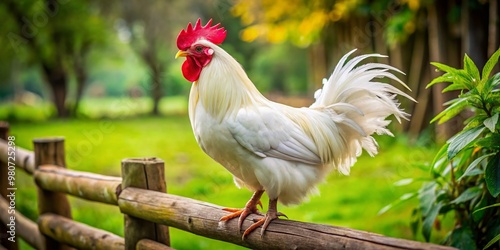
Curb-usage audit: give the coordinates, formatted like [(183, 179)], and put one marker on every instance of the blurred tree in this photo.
[(152, 36), (56, 36), (301, 22), (92, 33)]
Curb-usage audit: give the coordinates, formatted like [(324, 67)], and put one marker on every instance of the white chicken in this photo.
[(274, 148)]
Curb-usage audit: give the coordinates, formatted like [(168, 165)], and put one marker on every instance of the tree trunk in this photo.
[(156, 89), (155, 67), (57, 79), (493, 34), (437, 53), (317, 66), (54, 70), (81, 77), (417, 80), (474, 33)]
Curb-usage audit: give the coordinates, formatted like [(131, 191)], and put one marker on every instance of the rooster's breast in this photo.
[(216, 140)]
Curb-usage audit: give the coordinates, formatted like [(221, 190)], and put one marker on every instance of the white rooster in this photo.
[(274, 148)]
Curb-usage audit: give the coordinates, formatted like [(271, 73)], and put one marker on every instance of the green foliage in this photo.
[(400, 25), (465, 173), (270, 74)]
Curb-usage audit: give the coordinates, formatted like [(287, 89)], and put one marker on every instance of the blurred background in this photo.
[(69, 66)]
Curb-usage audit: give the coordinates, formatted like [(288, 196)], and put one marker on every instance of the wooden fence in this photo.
[(148, 210)]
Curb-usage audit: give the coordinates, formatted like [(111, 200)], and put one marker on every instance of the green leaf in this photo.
[(452, 87), (427, 197), (487, 207), (400, 200), (490, 64), (467, 195), (451, 75), (462, 140), (475, 101), (460, 162), (491, 142), (494, 99), (467, 80), (451, 111), (473, 172), (475, 121), (472, 70), (440, 159), (492, 241), (461, 78), (444, 67), (491, 122), (429, 220), (492, 175), (463, 238), (444, 78), (490, 85), (403, 182), (495, 80), (482, 203), (471, 169), (415, 221)]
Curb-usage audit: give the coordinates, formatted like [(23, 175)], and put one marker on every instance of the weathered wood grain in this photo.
[(78, 235), (146, 244), (202, 218), (146, 174), (51, 151), (24, 160), (89, 186)]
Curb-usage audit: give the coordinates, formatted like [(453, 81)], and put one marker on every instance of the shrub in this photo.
[(465, 173)]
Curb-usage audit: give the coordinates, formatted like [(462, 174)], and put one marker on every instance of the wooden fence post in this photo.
[(51, 151), (145, 173), (4, 191)]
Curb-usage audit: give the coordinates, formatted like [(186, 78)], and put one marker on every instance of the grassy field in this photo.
[(99, 145)]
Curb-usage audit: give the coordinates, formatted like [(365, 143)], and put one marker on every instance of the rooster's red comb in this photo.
[(214, 34)]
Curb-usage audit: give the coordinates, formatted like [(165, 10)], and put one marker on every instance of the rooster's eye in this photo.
[(198, 49)]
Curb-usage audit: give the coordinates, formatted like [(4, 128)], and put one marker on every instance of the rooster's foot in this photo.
[(271, 214), (250, 208)]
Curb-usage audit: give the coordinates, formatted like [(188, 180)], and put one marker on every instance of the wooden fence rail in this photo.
[(77, 234), (89, 186), (141, 196), (25, 228)]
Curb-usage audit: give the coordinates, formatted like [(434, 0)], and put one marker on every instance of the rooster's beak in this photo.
[(181, 53)]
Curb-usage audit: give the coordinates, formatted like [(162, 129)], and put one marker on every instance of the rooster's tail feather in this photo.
[(359, 104)]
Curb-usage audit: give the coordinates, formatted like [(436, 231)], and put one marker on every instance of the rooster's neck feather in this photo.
[(224, 87)]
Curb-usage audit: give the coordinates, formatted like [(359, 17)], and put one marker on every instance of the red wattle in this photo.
[(191, 70)]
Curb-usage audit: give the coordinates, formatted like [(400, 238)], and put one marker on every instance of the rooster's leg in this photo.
[(250, 208), (272, 213)]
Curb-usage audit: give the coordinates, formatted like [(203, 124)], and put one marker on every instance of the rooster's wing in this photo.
[(267, 132)]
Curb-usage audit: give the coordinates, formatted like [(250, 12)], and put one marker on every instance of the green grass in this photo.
[(99, 146), (94, 108)]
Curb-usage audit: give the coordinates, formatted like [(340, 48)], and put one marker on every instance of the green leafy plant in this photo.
[(465, 173)]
